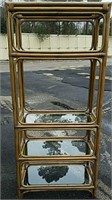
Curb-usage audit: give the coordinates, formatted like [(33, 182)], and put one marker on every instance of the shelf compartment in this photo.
[(53, 175), (58, 117), (49, 82), (59, 13), (56, 144), (56, 148)]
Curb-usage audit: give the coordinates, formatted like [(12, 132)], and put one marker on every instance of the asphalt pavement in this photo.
[(54, 85)]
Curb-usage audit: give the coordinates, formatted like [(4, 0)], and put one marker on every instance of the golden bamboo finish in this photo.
[(17, 13)]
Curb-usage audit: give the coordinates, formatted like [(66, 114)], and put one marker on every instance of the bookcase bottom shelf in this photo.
[(56, 176), (57, 194)]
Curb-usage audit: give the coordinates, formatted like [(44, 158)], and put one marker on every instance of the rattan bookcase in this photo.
[(49, 167)]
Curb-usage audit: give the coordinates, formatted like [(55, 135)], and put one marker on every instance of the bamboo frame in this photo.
[(52, 11)]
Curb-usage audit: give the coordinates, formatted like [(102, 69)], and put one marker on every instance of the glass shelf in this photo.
[(61, 134), (58, 118), (49, 175), (56, 148)]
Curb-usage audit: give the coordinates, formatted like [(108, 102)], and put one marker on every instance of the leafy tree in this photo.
[(44, 29), (86, 28), (26, 27), (3, 21), (111, 26)]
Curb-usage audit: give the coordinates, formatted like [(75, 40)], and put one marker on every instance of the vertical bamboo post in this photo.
[(100, 97)]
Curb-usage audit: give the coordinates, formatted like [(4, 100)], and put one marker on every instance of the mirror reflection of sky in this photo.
[(74, 174), (69, 147)]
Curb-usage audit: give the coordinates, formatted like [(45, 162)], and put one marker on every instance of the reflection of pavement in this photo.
[(53, 88)]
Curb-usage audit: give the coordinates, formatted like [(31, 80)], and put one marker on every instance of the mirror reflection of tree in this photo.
[(54, 147), (53, 173), (81, 146)]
